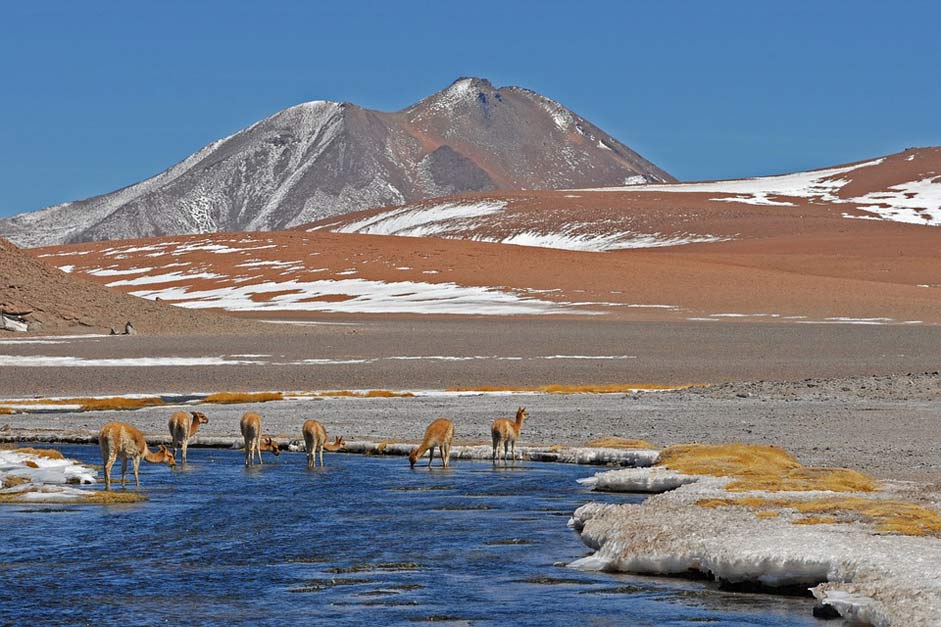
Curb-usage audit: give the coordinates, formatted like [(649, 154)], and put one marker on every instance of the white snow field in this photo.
[(362, 296), (46, 479), (459, 220), (870, 577), (915, 202)]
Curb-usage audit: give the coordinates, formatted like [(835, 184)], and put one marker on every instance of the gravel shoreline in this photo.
[(887, 426)]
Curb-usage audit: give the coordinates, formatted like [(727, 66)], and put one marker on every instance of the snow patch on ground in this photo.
[(915, 202), (165, 278), (423, 221), (600, 242), (819, 184), (110, 272), (45, 361), (364, 296), (47, 479)]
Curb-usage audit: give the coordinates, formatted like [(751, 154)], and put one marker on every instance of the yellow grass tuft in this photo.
[(388, 394), (761, 467), (93, 404), (116, 403), (6, 411), (48, 453), (817, 520), (30, 464), (618, 442), (96, 497), (10, 481), (103, 497), (889, 516), (228, 398), (612, 388), (555, 448), (767, 514), (805, 479)]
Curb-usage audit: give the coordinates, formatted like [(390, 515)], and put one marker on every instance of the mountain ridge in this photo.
[(320, 159)]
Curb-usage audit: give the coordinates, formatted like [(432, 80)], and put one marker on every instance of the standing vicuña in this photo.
[(505, 433), (119, 439), (182, 429), (439, 433), (315, 438), (255, 442)]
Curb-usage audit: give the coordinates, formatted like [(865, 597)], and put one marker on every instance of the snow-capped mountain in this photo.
[(321, 159)]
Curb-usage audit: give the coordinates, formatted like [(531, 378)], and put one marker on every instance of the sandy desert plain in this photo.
[(798, 313)]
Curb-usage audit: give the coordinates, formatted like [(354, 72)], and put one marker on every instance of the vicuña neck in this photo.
[(152, 457)]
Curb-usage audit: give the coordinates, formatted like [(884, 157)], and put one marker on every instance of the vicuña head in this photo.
[(270, 444), (338, 444), (163, 456)]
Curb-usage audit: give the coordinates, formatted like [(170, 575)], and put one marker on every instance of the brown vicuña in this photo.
[(119, 439), (315, 438), (255, 442), (439, 433), (505, 433), (182, 429)]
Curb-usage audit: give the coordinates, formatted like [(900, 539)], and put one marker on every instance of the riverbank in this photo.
[(756, 519), (886, 426)]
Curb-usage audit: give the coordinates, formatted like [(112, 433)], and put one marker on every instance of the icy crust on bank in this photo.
[(653, 480), (882, 579), (562, 455), (46, 479)]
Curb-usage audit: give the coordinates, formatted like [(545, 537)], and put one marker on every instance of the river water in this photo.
[(364, 541)]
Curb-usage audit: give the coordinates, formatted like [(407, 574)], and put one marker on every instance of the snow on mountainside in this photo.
[(904, 187), (322, 159)]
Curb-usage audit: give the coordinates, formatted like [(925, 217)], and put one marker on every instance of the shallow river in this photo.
[(364, 541)]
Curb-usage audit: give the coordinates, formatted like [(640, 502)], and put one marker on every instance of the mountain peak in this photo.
[(321, 159)]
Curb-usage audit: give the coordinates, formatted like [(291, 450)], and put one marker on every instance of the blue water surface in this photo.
[(364, 541)]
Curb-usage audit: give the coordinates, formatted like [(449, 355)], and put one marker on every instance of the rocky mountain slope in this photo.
[(46, 299), (321, 159)]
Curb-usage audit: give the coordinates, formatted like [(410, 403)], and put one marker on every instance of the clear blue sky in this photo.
[(98, 95)]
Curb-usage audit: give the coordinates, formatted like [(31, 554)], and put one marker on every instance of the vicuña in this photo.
[(315, 438), (119, 439), (505, 433), (439, 433), (255, 442), (182, 429)]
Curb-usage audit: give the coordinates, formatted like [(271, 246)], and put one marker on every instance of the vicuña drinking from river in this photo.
[(182, 429), (255, 442), (439, 433), (505, 433), (119, 439), (315, 438)]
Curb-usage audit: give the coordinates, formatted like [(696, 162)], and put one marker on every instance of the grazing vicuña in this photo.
[(119, 439)]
